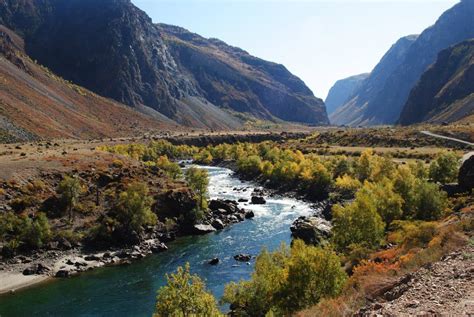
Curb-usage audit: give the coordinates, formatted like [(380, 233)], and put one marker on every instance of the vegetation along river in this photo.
[(131, 290)]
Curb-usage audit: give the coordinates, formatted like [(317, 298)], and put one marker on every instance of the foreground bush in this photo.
[(444, 169), (286, 281), (185, 295)]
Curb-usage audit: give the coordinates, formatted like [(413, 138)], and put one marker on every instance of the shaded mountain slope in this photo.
[(34, 103), (354, 111), (384, 106), (113, 48), (343, 90), (445, 92)]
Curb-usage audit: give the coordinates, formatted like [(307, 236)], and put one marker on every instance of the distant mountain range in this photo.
[(165, 72), (343, 90), (381, 98)]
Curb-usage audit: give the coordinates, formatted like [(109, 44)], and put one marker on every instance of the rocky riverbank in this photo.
[(26, 270)]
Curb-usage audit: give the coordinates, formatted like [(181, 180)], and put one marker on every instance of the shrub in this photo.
[(70, 189), (185, 295), (134, 208), (357, 223), (171, 169), (444, 168), (429, 201), (347, 186), (198, 180)]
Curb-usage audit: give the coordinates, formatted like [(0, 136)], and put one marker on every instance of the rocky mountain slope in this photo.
[(354, 111), (343, 90), (34, 103), (385, 106), (114, 49), (445, 92)]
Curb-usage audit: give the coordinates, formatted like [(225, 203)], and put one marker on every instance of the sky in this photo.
[(320, 41)]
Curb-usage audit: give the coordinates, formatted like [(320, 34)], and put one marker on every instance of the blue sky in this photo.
[(320, 41)]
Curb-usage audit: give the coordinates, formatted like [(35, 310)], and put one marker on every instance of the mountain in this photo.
[(354, 111), (384, 107), (35, 103), (445, 91), (114, 49), (343, 90)]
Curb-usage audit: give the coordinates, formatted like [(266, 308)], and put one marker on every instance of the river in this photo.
[(131, 290)]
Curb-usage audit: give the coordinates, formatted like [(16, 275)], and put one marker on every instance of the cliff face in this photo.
[(342, 91), (445, 91), (354, 111), (35, 103), (384, 106), (113, 48)]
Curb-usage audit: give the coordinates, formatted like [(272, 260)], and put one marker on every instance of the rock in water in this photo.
[(258, 200), (214, 261), (466, 174), (242, 257), (218, 224), (203, 229), (312, 230)]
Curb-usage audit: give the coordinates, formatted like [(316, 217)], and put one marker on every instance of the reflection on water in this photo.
[(130, 290)]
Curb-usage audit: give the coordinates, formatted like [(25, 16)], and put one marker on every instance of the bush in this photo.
[(347, 186), (70, 189), (134, 208), (444, 169), (185, 295), (171, 169), (429, 201), (198, 180), (357, 223)]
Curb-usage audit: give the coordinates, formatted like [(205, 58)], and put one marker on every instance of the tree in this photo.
[(364, 166), (198, 180), (36, 231), (357, 223), (250, 165), (70, 189), (313, 273), (185, 295), (387, 202), (134, 208), (171, 169), (286, 281), (429, 201), (444, 168)]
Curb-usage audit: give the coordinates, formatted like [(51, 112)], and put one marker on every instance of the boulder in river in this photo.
[(258, 200), (213, 261), (229, 206), (249, 214), (466, 174), (218, 224), (312, 230), (203, 229), (242, 257), (159, 247)]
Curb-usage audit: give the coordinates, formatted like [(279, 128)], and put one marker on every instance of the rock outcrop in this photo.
[(466, 174), (312, 230)]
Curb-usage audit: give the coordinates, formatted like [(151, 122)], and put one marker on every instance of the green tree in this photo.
[(134, 208), (70, 189), (286, 281), (429, 201), (198, 180), (251, 165), (444, 169), (36, 231), (313, 273), (364, 166), (357, 223), (185, 295), (387, 202), (171, 169)]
